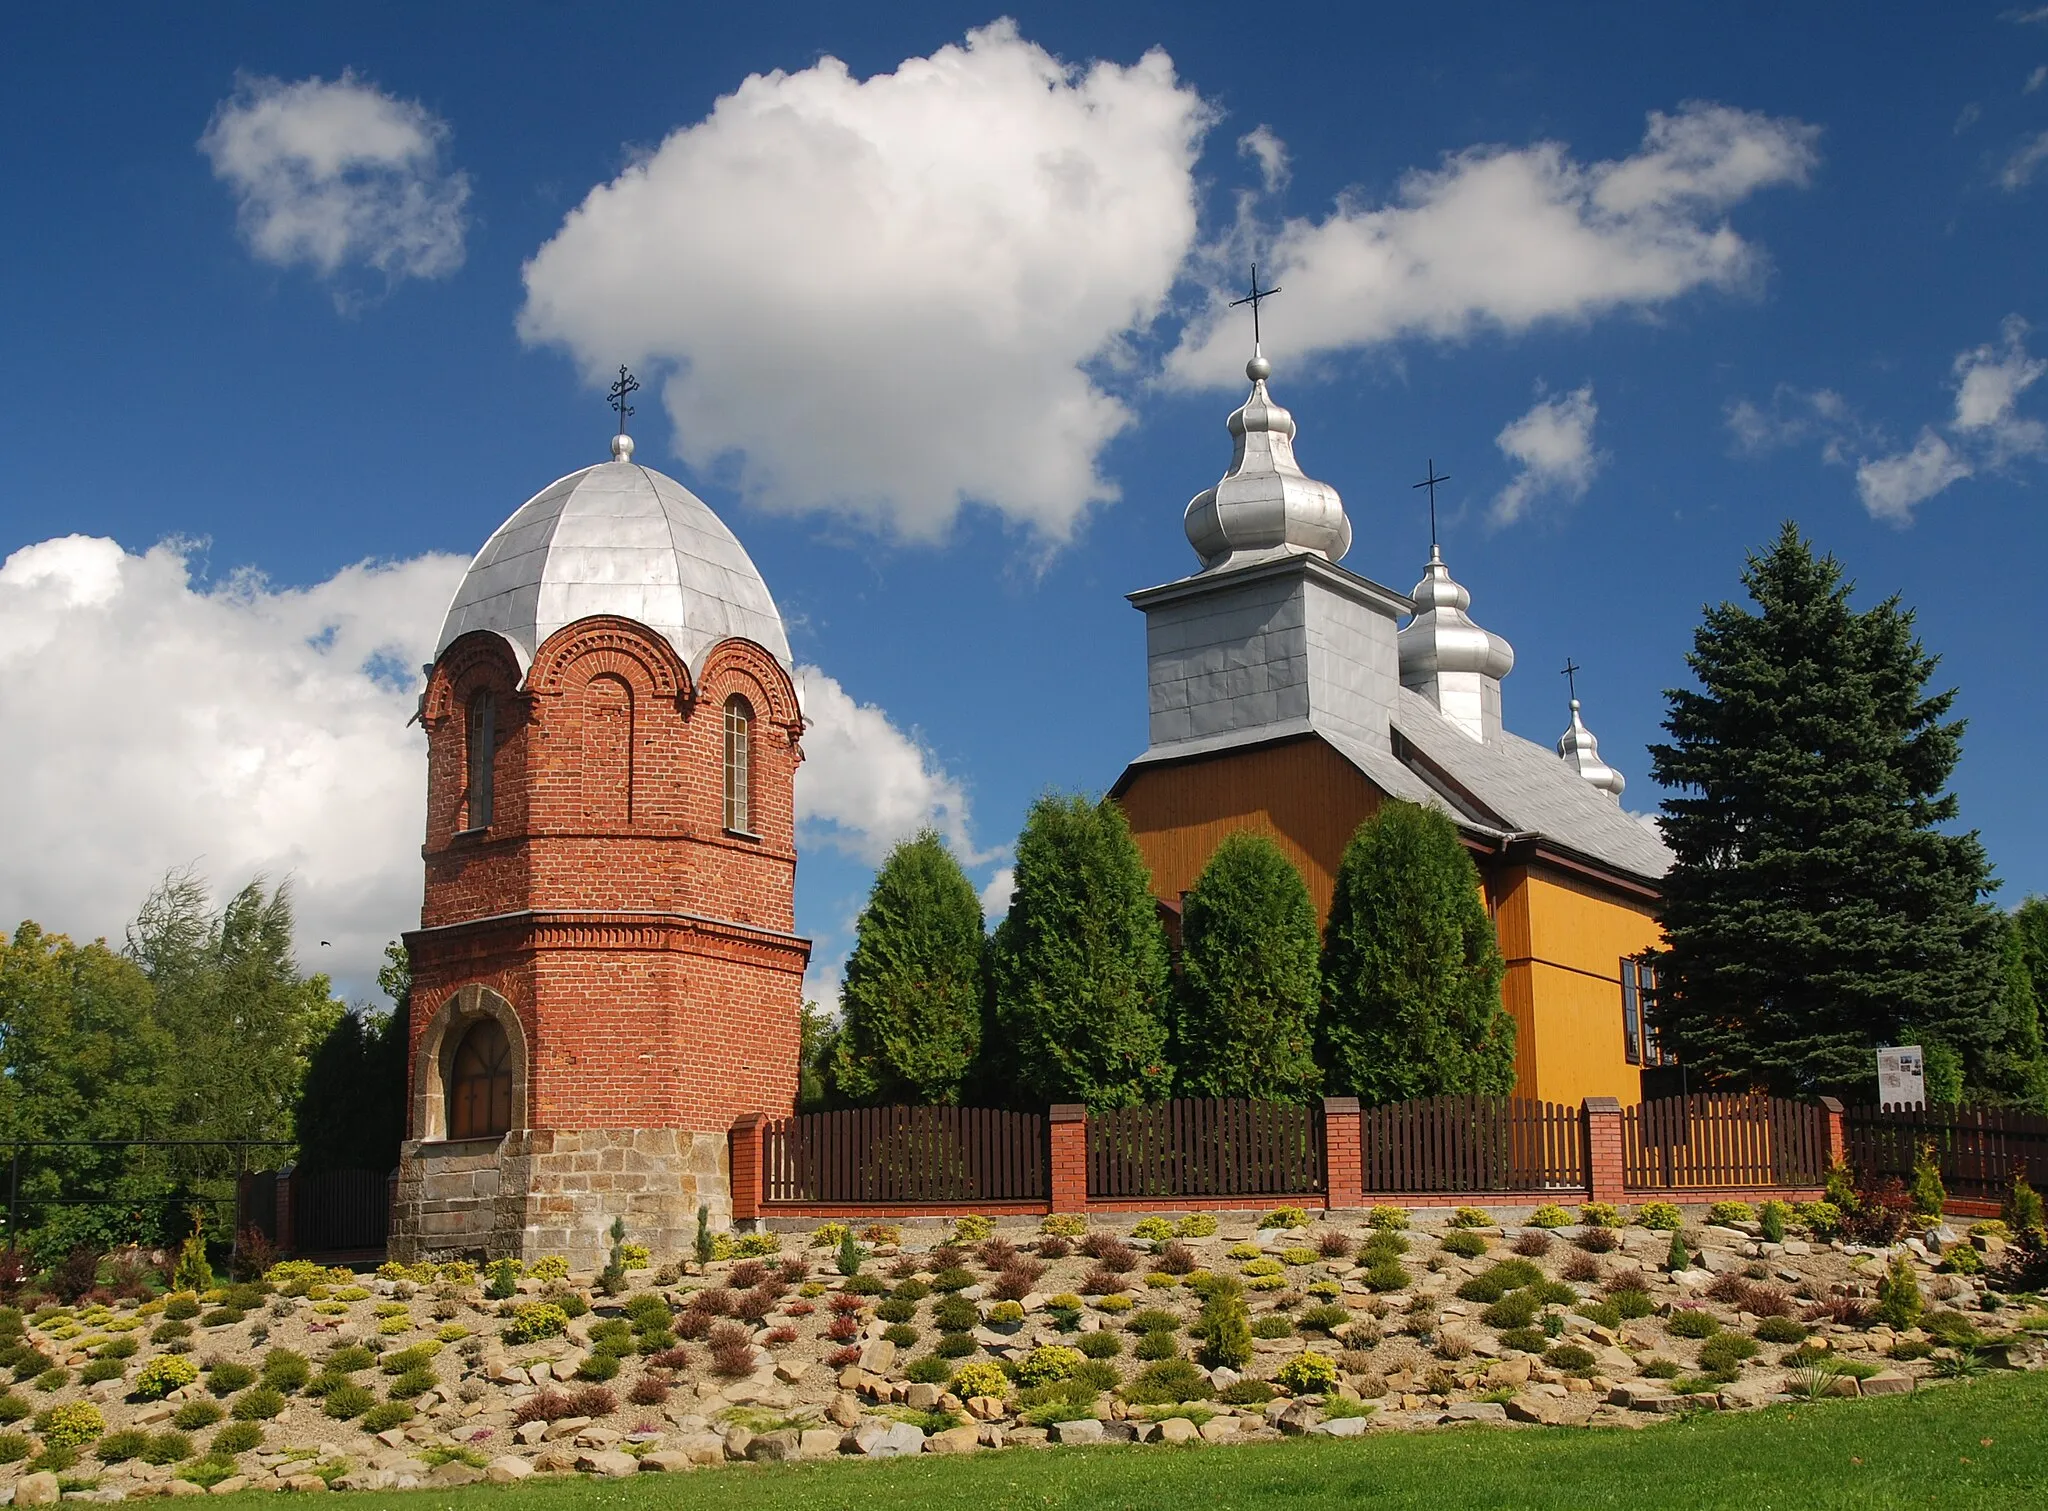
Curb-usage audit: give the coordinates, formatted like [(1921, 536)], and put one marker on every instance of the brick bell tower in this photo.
[(606, 971)]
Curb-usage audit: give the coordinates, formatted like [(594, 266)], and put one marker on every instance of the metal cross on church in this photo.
[(627, 384), (1430, 483), (1571, 677), (1255, 298)]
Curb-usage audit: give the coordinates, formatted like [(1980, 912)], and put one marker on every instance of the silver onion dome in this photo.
[(1581, 752), (1265, 501), (1442, 638), (623, 539)]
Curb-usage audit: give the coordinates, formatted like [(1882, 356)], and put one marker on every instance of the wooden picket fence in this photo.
[(1715, 1140), (1473, 1143), (885, 1155), (1980, 1149), (1205, 1146)]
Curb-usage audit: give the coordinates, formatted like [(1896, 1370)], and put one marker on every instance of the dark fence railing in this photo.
[(1720, 1140), (905, 1154), (1473, 1143), (1980, 1148), (1208, 1146), (339, 1211)]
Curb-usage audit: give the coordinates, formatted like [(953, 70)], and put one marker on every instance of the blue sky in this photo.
[(945, 353)]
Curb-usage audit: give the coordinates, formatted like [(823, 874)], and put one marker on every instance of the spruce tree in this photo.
[(1411, 967), (1250, 978), (911, 1004), (1815, 909), (1078, 967)]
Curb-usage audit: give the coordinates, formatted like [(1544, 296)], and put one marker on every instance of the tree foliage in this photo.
[(1411, 967), (911, 1005), (1078, 967), (351, 1113), (1250, 978), (1817, 909)]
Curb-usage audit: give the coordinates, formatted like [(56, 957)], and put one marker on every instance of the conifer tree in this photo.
[(911, 1003), (1411, 967), (1078, 967), (1250, 978), (1816, 909)]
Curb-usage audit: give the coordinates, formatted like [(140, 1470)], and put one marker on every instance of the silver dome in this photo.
[(1442, 637), (1265, 500), (1581, 752), (617, 538)]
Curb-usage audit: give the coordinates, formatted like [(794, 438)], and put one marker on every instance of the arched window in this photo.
[(739, 734), (480, 1086), (483, 747)]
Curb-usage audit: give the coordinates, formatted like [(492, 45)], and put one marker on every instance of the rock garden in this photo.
[(880, 1340)]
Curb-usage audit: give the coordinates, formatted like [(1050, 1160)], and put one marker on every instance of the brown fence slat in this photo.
[(898, 1155), (1979, 1149)]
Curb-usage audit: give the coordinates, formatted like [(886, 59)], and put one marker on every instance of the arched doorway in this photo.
[(480, 1083)]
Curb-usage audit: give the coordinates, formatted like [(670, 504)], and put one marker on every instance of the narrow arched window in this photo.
[(483, 747), (739, 735), (480, 1084)]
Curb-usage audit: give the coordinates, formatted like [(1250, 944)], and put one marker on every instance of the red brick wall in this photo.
[(650, 955)]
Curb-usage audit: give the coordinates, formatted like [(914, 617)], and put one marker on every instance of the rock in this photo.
[(567, 1427), (737, 1441), (985, 1408), (1223, 1377), (886, 1440), (599, 1437), (878, 1357), (510, 1469), (1087, 1430), (1219, 1429), (1291, 1417), (776, 1447), (608, 1463), (844, 1409), (232, 1483), (1178, 1430), (954, 1440), (921, 1397), (553, 1461), (1508, 1373), (702, 1448), (367, 1479), (790, 1374), (1888, 1382), (37, 1490), (849, 1377), (819, 1442), (1476, 1411), (1343, 1427), (454, 1472), (305, 1484), (1613, 1362), (1745, 1395)]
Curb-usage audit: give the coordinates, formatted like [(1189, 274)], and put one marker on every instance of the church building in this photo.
[(606, 972), (1287, 695)]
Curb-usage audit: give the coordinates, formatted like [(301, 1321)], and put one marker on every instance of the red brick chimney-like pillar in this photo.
[(749, 1168), (1343, 1154), (1606, 1173), (1067, 1133)]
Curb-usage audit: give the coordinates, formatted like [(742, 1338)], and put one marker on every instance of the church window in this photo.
[(739, 734), (1639, 1044), (480, 1087), (483, 749)]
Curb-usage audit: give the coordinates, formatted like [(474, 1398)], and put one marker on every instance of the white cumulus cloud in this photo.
[(151, 720), (1263, 146), (1891, 487), (1553, 452), (1509, 238), (882, 296), (334, 173)]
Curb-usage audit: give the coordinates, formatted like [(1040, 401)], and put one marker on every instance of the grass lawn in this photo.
[(1973, 1444)]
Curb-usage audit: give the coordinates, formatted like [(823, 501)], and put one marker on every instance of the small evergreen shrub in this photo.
[(1606, 1313), (1899, 1302), (1929, 1196), (286, 1370), (1550, 1215), (1600, 1214), (166, 1448), (1728, 1213), (119, 1447), (1780, 1330), (1471, 1217), (1169, 1382), (259, 1404), (71, 1425), (1046, 1364), (1659, 1215), (1529, 1340), (1102, 1344), (1691, 1322), (1284, 1217), (195, 1415), (384, 1416), (901, 1334), (160, 1376), (1724, 1353), (536, 1320), (14, 1447), (1464, 1245), (1246, 1393), (1157, 1345), (1387, 1219), (930, 1369), (347, 1401), (1772, 1217), (1196, 1225), (1570, 1359), (1387, 1275), (236, 1437), (226, 1377), (981, 1378), (1307, 1373), (1273, 1325)]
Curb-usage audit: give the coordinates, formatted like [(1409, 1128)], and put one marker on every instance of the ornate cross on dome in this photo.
[(1571, 677), (627, 384), (1430, 483), (1255, 298)]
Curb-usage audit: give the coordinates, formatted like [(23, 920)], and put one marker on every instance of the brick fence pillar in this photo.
[(1838, 1131), (749, 1133), (1343, 1154), (1067, 1130), (1606, 1173)]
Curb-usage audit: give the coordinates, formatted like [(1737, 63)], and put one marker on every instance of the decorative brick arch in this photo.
[(480, 659), (607, 643), (751, 670), (434, 1057)]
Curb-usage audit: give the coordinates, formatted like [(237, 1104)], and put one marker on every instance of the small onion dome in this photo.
[(1265, 501), (1581, 752), (1442, 638)]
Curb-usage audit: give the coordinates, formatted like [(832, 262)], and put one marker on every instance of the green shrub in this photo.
[(1060, 1225), (1780, 1330), (286, 1370), (973, 1228), (1553, 1293), (955, 1314), (1284, 1217), (347, 1400), (13, 1407), (1153, 1229), (1151, 1319), (181, 1306), (259, 1404), (417, 1382), (1599, 1214), (1005, 1314), (1464, 1245), (1961, 1259), (954, 1279), (1660, 1215), (1516, 1309), (1633, 1304), (1307, 1373), (1263, 1266), (239, 1437), (1224, 1327), (596, 1367), (1606, 1313), (1772, 1217), (1046, 1364), (1387, 1275), (166, 1448), (957, 1346), (101, 1369), (1157, 1345), (1325, 1319), (535, 1320), (1550, 1215), (71, 1425), (1692, 1323), (1057, 1401), (170, 1332), (194, 1415), (53, 1379), (1677, 1258), (1724, 1353), (981, 1378), (349, 1358), (928, 1370), (1100, 1345), (1823, 1219), (1166, 1383), (902, 1334), (1929, 1197), (1496, 1280), (1471, 1217), (1115, 1305), (1570, 1359), (1899, 1301), (386, 1415), (222, 1316), (1387, 1219), (118, 1348), (1530, 1340), (1196, 1225), (2022, 1209), (14, 1447), (894, 1310), (119, 1447), (1729, 1213), (1663, 1369), (504, 1281), (227, 1377)]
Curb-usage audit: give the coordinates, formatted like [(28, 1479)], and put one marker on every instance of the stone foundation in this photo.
[(549, 1191)]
